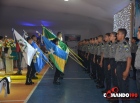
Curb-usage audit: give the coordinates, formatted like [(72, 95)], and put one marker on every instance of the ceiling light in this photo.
[(66, 0)]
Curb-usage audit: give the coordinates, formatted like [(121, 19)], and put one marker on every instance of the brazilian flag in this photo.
[(48, 34)]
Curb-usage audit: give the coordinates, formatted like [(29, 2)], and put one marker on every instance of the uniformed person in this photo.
[(96, 45), (107, 71), (137, 65), (87, 56), (92, 73), (100, 62), (112, 67), (133, 54), (84, 53), (112, 52), (30, 69), (123, 59), (57, 74)]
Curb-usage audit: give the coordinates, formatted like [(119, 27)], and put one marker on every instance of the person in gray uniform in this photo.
[(95, 59), (87, 56), (112, 63), (137, 66), (93, 66), (90, 56), (100, 62), (134, 48), (84, 54), (123, 59), (107, 71)]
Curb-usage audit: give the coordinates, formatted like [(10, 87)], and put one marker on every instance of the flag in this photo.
[(40, 59), (27, 50), (48, 34), (57, 55), (25, 35)]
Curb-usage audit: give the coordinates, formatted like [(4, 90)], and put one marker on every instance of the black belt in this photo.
[(121, 62), (106, 58), (111, 58)]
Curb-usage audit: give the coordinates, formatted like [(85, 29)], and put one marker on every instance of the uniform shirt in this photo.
[(106, 49), (95, 49), (134, 48), (87, 48), (91, 48), (83, 47), (100, 49), (122, 51), (137, 60), (112, 50)]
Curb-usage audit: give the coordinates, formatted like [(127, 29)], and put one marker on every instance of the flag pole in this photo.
[(76, 58), (74, 53), (48, 63), (76, 61)]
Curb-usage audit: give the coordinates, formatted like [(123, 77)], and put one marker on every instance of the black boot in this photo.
[(18, 73), (56, 81), (28, 82)]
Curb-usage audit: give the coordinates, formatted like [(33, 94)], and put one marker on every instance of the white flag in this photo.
[(27, 50)]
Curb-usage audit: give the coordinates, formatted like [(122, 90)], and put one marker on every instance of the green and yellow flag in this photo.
[(49, 35)]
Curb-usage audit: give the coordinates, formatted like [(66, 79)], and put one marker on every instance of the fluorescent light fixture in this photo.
[(66, 0)]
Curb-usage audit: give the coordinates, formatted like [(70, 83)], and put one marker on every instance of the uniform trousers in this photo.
[(107, 73), (100, 71), (122, 84), (57, 75), (138, 83), (132, 63), (113, 74), (93, 68), (30, 70)]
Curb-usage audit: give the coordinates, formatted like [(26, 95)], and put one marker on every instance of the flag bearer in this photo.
[(30, 69), (57, 72)]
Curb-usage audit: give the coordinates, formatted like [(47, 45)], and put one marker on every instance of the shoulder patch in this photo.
[(124, 43)]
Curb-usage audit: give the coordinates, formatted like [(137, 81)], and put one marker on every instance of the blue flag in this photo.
[(57, 55), (40, 59)]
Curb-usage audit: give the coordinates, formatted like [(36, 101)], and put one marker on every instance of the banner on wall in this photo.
[(72, 37), (137, 17)]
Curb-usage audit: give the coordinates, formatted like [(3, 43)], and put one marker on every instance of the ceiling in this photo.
[(58, 14)]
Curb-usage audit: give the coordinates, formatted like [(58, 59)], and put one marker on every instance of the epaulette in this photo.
[(124, 43)]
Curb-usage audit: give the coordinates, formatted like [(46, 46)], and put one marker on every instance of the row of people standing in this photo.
[(109, 56)]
